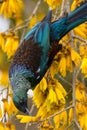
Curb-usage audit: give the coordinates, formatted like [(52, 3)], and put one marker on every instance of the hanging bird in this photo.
[(36, 52)]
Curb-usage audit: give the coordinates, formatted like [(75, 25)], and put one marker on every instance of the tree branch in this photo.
[(67, 82), (62, 8), (77, 124), (74, 94), (79, 38)]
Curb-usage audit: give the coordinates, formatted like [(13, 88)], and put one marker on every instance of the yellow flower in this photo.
[(24, 119), (81, 30), (53, 3), (52, 97), (2, 40), (83, 51), (39, 96), (69, 65), (75, 57), (61, 88), (80, 92), (65, 60), (1, 126), (81, 106), (12, 108), (84, 66), (1, 59), (70, 115), (9, 126), (62, 66), (60, 96), (4, 78), (0, 112), (43, 85), (11, 7), (8, 106), (33, 21), (54, 68), (11, 45)]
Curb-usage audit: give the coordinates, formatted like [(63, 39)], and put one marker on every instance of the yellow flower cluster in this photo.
[(8, 106), (49, 98), (81, 106), (81, 31), (7, 109), (65, 61), (7, 126), (53, 3), (9, 43), (11, 7)]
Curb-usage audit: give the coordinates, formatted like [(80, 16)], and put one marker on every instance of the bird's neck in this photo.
[(18, 78)]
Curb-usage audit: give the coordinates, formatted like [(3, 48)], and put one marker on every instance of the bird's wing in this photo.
[(47, 18), (42, 37), (31, 32)]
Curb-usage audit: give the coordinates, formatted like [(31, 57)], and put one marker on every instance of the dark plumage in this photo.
[(36, 52)]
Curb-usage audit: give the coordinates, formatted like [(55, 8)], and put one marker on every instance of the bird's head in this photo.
[(20, 86), (20, 100)]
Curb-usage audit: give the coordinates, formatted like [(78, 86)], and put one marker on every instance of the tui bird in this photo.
[(36, 52)]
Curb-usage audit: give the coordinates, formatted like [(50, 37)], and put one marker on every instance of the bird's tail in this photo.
[(65, 24)]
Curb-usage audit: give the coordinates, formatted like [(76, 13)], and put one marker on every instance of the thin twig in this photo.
[(77, 124), (35, 10), (62, 8), (68, 6), (55, 15), (69, 126), (32, 108), (40, 121), (26, 126), (33, 13), (80, 39), (55, 114), (29, 124), (67, 82)]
